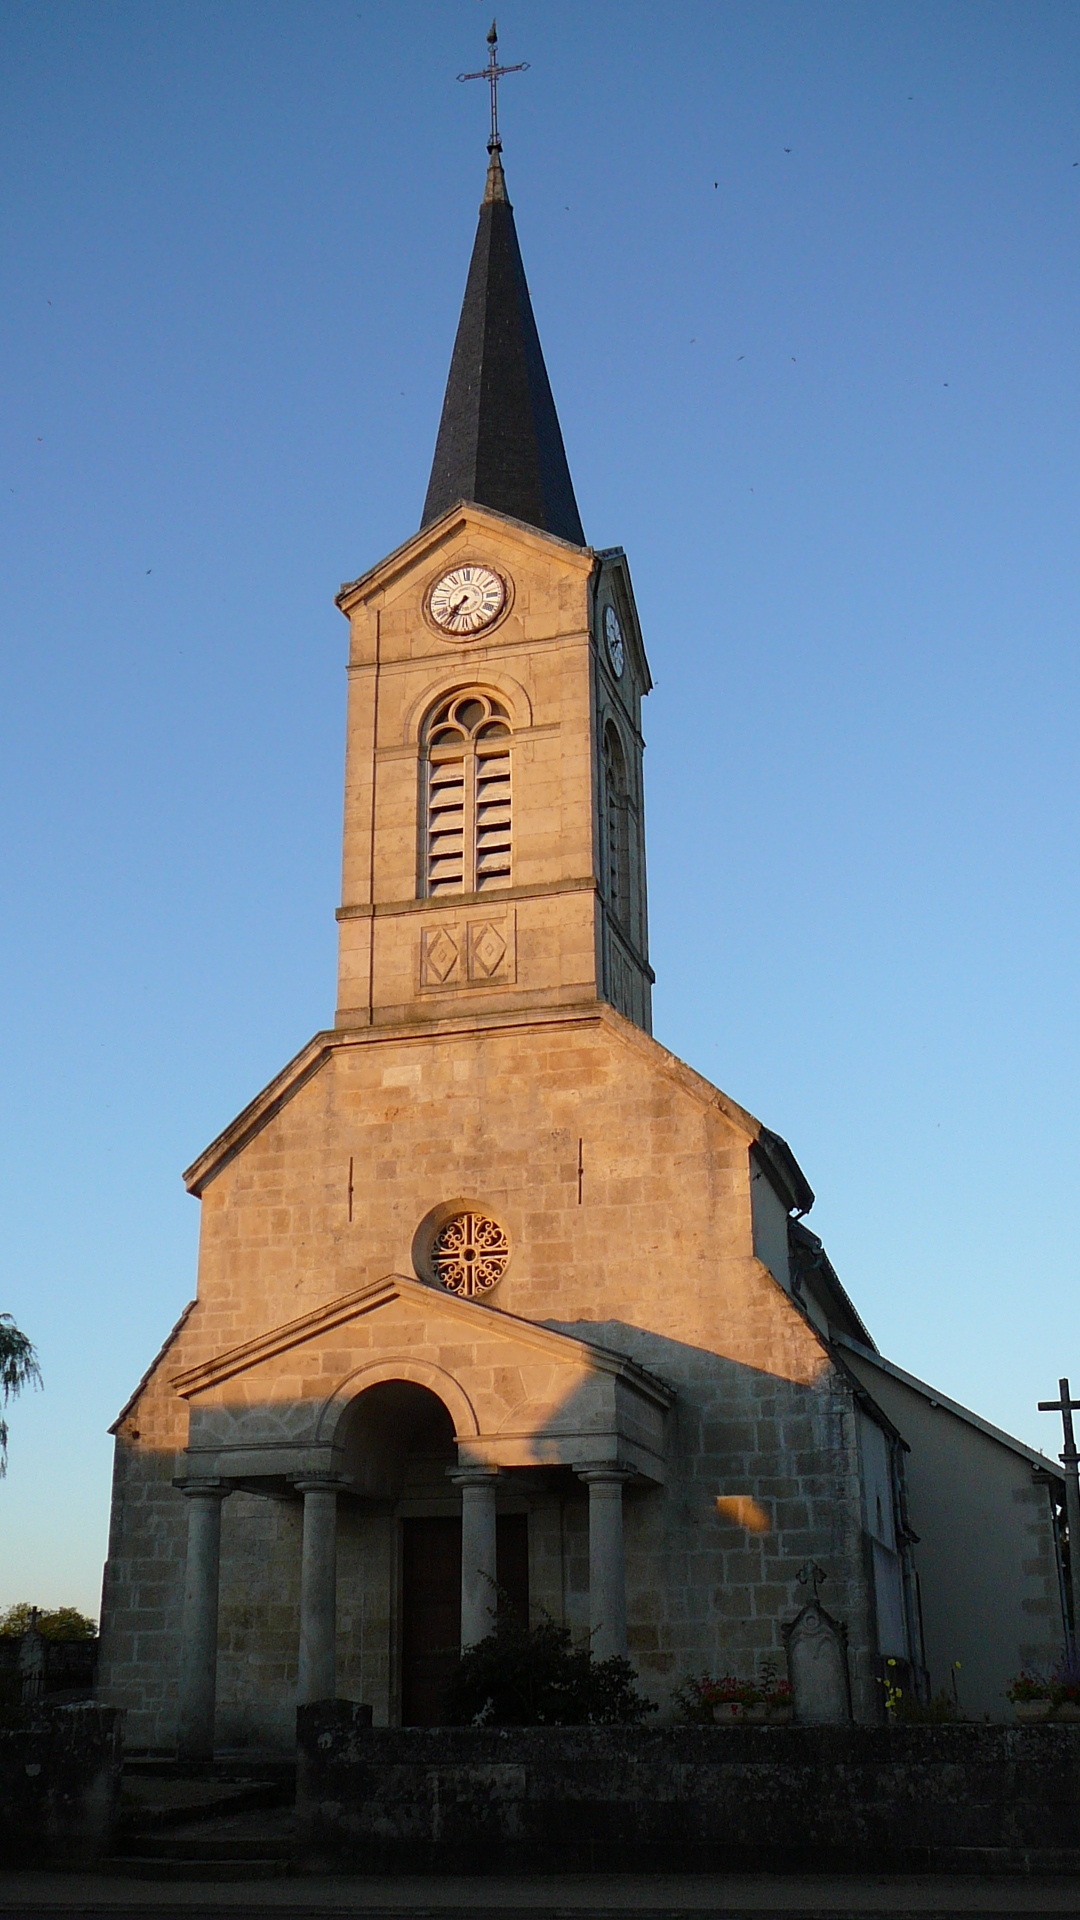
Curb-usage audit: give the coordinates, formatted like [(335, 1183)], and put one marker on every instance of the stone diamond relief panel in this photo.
[(487, 950), (440, 957), (462, 953)]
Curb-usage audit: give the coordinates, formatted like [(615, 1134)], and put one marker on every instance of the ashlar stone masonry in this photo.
[(498, 1300)]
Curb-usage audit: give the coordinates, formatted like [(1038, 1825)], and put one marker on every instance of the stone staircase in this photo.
[(220, 1821)]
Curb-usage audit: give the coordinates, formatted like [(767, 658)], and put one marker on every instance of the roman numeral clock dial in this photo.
[(613, 641), (467, 600)]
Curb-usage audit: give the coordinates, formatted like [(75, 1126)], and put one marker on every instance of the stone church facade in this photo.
[(495, 1295)]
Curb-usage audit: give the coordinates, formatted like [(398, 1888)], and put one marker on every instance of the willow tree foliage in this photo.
[(18, 1369)]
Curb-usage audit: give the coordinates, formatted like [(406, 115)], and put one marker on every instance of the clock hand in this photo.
[(458, 604)]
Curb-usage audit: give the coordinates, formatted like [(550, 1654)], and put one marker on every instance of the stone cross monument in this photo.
[(817, 1659), (1070, 1460)]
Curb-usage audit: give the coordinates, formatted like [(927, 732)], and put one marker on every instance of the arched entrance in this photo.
[(398, 1445)]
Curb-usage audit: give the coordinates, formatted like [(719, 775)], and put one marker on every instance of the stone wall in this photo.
[(60, 1787), (656, 1261), (986, 1556), (951, 1798), (143, 1588)]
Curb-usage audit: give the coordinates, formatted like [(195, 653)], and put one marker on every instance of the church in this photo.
[(498, 1302)]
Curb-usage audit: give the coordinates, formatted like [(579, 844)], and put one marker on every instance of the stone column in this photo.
[(607, 1563), (479, 1593), (317, 1676), (198, 1633)]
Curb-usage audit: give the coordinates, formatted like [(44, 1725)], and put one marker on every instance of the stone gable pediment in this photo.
[(518, 1394), (323, 1046), (423, 547)]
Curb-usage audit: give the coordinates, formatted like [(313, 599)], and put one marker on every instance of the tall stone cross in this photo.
[(493, 73), (1070, 1460)]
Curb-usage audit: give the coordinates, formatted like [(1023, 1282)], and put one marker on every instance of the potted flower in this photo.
[(703, 1697), (755, 1704), (1031, 1695), (734, 1700), (1065, 1689), (778, 1706)]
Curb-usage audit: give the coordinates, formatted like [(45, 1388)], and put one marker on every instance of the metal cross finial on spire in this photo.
[(493, 73)]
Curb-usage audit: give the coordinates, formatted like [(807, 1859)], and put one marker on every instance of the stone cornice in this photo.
[(255, 1115), (453, 902), (413, 1293), (432, 537), (312, 1058)]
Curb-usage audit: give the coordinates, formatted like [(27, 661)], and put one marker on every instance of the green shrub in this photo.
[(522, 1676), (53, 1623)]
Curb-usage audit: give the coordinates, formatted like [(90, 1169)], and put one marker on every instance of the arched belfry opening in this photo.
[(467, 796), (617, 825)]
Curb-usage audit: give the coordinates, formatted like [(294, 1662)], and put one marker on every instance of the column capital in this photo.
[(599, 1473), (472, 1476), (204, 1489), (317, 1483)]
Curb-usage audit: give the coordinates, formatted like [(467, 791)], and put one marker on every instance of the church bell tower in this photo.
[(494, 845)]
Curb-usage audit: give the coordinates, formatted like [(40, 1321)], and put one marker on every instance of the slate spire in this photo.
[(499, 441)]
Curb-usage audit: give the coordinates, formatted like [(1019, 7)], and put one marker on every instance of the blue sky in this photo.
[(807, 281)]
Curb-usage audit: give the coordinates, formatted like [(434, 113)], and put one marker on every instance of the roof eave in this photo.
[(433, 536), (785, 1171), (942, 1400)]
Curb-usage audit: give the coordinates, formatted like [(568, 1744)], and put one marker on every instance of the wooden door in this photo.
[(512, 1564), (431, 1616), (431, 1604)]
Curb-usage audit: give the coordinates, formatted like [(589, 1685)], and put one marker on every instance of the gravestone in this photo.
[(817, 1661), (31, 1663)]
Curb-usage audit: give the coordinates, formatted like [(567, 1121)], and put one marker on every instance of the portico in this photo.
[(419, 1374)]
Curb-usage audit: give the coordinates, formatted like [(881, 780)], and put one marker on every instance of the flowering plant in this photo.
[(1065, 1681), (1029, 1685), (774, 1691), (894, 1693), (700, 1693), (778, 1694)]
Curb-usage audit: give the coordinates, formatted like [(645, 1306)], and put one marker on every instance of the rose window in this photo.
[(469, 1254)]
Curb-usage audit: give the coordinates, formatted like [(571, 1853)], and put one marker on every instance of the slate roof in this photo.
[(499, 442)]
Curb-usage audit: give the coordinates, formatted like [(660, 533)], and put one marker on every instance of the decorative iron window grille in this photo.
[(469, 1254)]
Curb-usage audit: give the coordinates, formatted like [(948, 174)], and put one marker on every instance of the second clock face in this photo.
[(467, 599), (613, 640)]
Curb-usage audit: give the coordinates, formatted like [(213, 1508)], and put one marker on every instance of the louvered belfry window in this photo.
[(467, 846), (617, 810)]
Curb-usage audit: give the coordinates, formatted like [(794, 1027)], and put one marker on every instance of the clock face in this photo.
[(467, 600), (613, 640)]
